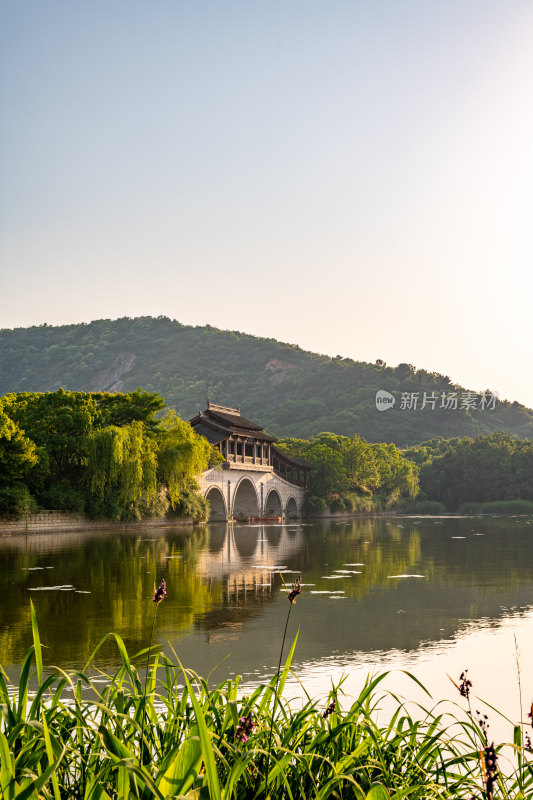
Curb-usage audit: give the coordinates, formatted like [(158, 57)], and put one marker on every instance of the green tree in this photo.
[(397, 475), (122, 408), (182, 454), (17, 452), (59, 422), (122, 461), (343, 465), (487, 468), (360, 464)]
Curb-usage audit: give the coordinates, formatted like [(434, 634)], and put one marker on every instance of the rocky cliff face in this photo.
[(279, 370), (108, 380)]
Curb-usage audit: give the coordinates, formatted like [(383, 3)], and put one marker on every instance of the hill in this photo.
[(289, 391)]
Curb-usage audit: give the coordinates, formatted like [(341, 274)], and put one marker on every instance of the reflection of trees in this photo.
[(389, 547), (120, 572), (467, 579)]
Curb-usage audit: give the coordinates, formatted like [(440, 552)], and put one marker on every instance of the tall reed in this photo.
[(62, 736)]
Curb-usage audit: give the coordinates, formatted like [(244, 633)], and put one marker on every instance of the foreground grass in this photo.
[(170, 736)]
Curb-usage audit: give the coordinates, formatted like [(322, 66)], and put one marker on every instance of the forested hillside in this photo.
[(289, 391)]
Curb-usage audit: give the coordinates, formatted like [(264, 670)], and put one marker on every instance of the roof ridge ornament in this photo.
[(224, 409)]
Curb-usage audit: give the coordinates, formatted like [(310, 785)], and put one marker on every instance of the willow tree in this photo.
[(182, 455), (122, 460)]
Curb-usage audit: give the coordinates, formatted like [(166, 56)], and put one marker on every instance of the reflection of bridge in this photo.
[(256, 479), (244, 558)]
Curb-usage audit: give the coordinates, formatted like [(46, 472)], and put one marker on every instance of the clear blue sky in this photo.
[(354, 177)]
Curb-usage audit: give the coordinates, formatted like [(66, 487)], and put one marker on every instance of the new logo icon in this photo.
[(384, 400)]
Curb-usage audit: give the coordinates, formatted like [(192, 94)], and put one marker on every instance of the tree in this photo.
[(343, 465), (182, 454), (360, 465), (488, 468), (17, 453), (397, 475), (59, 422), (123, 408), (122, 461)]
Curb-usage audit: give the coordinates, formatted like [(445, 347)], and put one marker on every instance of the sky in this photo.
[(353, 177)]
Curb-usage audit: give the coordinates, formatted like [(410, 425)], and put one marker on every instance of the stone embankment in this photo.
[(55, 521)]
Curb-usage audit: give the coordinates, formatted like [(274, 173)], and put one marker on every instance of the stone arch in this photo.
[(292, 509), (217, 505), (273, 504), (245, 503)]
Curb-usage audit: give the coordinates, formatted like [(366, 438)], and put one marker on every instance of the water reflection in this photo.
[(225, 589)]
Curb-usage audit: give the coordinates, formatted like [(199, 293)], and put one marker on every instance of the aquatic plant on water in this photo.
[(175, 737)]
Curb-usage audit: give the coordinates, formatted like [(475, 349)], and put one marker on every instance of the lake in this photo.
[(430, 595)]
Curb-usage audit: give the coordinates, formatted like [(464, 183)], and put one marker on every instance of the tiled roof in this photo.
[(213, 436), (222, 425), (236, 421)]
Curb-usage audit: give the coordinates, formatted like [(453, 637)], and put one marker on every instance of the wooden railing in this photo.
[(238, 459)]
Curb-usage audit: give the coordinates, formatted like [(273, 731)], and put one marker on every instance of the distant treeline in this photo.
[(491, 473), (105, 455), (289, 391), (118, 456), (461, 473), (352, 474)]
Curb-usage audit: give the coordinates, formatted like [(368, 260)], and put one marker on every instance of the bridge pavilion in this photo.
[(256, 479)]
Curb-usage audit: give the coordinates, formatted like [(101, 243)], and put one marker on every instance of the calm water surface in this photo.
[(430, 595)]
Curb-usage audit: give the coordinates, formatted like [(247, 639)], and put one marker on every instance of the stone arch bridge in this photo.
[(241, 494), (255, 480)]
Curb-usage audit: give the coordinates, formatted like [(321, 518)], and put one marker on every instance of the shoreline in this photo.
[(58, 521)]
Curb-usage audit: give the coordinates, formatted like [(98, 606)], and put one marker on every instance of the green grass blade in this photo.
[(378, 792), (287, 666), (23, 684), (37, 644), (205, 742), (7, 768), (50, 754), (95, 791), (116, 749), (180, 768), (36, 784)]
